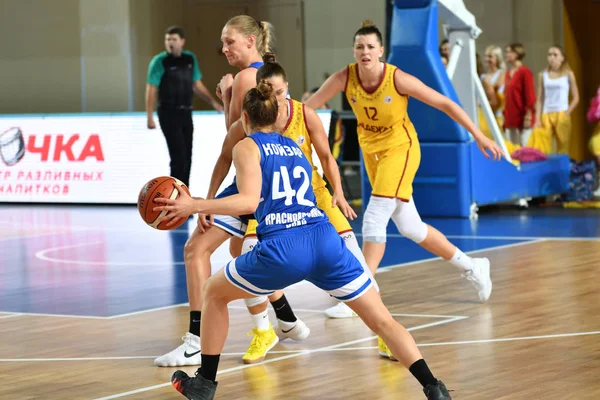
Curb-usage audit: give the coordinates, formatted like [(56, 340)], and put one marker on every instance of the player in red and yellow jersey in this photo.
[(378, 94)]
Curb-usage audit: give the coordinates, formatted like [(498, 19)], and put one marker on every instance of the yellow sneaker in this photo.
[(384, 351), (263, 341)]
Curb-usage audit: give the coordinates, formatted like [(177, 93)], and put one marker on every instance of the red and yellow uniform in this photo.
[(387, 137), (297, 131)]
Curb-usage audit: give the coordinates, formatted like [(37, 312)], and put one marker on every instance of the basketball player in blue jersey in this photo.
[(274, 182), (245, 40)]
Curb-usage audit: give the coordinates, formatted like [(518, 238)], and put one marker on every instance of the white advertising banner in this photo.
[(99, 158)]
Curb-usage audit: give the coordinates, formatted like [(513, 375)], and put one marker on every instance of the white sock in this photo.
[(461, 260), (261, 320)]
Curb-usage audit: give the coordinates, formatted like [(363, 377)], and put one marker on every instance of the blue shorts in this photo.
[(233, 225), (315, 253)]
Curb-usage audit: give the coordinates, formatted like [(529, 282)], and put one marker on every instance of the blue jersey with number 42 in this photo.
[(287, 197)]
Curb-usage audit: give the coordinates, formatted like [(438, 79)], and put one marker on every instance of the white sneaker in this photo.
[(292, 330), (340, 310), (186, 354), (480, 278)]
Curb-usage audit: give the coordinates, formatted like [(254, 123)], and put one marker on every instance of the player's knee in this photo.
[(376, 218), (409, 223), (416, 232), (255, 301), (209, 290), (380, 323), (190, 249), (196, 248)]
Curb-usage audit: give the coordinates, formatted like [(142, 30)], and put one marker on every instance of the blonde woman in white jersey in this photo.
[(493, 83), (554, 85)]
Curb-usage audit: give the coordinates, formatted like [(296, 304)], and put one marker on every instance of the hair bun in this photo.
[(269, 58), (264, 89), (367, 23)]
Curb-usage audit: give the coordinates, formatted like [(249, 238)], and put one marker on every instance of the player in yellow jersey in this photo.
[(301, 124), (378, 94)]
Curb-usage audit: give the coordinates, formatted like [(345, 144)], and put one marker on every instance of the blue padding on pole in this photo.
[(412, 3), (453, 172), (414, 49)]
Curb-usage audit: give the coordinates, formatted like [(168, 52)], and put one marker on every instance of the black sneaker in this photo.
[(194, 388), (437, 392)]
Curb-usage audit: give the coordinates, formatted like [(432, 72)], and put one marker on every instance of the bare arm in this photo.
[(151, 92), (490, 93), (412, 86), (246, 158), (201, 91), (574, 93), (221, 169), (540, 100), (244, 81), (530, 98), (335, 84), (319, 140)]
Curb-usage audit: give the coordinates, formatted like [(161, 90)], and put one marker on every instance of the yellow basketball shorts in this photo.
[(337, 219), (392, 171), (595, 141)]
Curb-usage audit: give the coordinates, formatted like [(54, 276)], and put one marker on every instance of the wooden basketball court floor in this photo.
[(89, 296)]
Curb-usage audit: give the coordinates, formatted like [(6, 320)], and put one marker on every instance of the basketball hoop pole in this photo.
[(461, 30)]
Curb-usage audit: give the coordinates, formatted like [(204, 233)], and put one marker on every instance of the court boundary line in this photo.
[(379, 271), (41, 255), (434, 258), (276, 359), (41, 234), (11, 315), (361, 348), (79, 228), (121, 358), (493, 237), (393, 314), (28, 314)]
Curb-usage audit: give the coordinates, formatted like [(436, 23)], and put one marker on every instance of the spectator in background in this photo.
[(593, 116), (554, 85), (445, 49), (519, 92), (173, 77), (493, 84), (309, 93), (478, 64)]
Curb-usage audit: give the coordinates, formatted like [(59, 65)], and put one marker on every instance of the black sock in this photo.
[(210, 364), (421, 371), (283, 310), (195, 322)]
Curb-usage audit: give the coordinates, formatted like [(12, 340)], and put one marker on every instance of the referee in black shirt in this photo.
[(175, 75)]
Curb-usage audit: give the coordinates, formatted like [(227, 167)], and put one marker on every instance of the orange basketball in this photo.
[(162, 186)]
